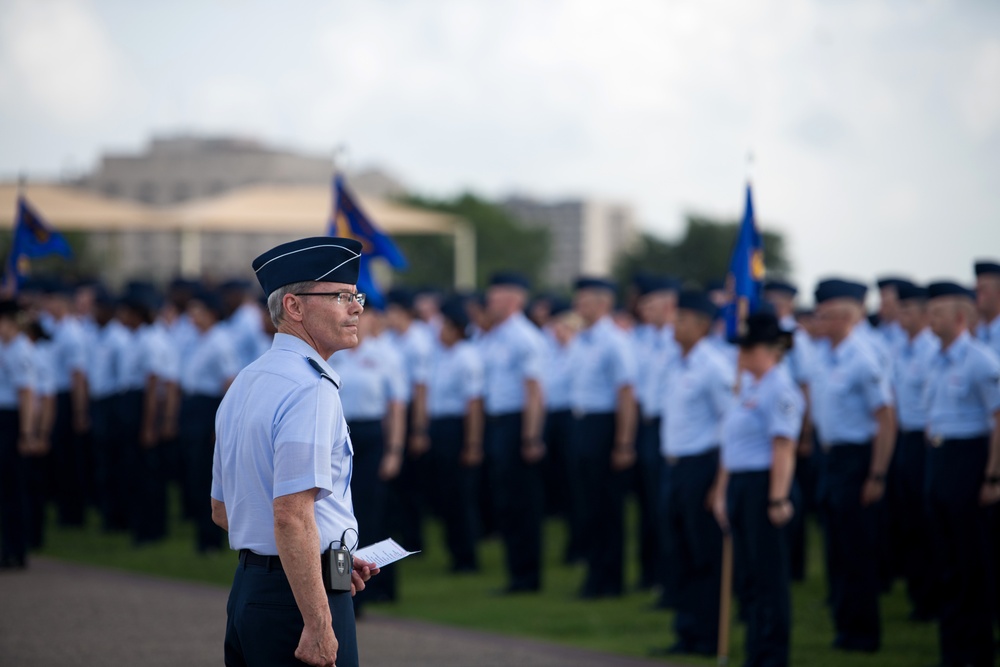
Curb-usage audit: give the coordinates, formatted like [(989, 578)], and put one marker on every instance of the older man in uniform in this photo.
[(513, 351), (963, 476), (283, 461), (602, 399), (852, 410)]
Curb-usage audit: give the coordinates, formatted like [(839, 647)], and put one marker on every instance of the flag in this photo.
[(347, 220), (33, 237), (746, 273)]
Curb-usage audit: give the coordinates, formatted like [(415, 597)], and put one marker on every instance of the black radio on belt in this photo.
[(337, 567)]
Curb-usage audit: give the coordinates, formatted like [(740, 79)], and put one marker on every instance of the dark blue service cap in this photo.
[(698, 302), (591, 282), (987, 268), (907, 290), (103, 297), (890, 281), (781, 286), (212, 300), (648, 284), (509, 279), (763, 327), (948, 288), (715, 285), (57, 287), (400, 296), (453, 309), (836, 288), (319, 259), (559, 305)]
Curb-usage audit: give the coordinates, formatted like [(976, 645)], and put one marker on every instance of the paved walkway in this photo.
[(71, 615)]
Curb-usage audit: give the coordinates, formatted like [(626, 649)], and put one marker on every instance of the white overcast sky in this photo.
[(875, 125)]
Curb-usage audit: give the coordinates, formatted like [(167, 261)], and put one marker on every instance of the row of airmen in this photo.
[(557, 409)]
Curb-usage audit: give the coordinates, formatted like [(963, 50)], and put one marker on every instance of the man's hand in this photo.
[(420, 444), (780, 514), (532, 450), (318, 646), (26, 445), (392, 461), (872, 491), (472, 455), (148, 436), (622, 457), (989, 494), (362, 572), (81, 422)]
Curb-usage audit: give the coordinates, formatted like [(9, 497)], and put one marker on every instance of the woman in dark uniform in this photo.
[(759, 437)]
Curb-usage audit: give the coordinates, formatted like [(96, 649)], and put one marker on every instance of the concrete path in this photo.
[(70, 615)]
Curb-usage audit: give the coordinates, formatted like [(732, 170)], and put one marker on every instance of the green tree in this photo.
[(501, 244), (701, 255)]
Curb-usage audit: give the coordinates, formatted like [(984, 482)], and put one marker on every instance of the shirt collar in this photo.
[(287, 342), (956, 351)]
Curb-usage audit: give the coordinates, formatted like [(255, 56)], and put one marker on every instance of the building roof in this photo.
[(263, 209)]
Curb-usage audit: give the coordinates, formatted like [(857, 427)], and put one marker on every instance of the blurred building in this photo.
[(586, 236), (172, 170)]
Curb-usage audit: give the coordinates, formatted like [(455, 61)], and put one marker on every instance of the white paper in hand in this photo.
[(383, 553)]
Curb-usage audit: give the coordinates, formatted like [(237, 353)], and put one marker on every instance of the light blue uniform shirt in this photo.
[(69, 351), (768, 408), (371, 376), (698, 389), (456, 379), (910, 367), (208, 363), (182, 331), (148, 353), (280, 430), (513, 353), (45, 370), (601, 363), (848, 385), (556, 377), (798, 360), (244, 326), (989, 333), (104, 369), (963, 390), (891, 334), (17, 371), (414, 347), (654, 348)]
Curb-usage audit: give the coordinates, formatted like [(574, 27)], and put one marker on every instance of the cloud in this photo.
[(56, 60)]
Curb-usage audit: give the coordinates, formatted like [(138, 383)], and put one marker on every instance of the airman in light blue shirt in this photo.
[(372, 378), (210, 364), (513, 352), (698, 389), (104, 373), (963, 390), (769, 408), (911, 364), (601, 364), (456, 379), (988, 303), (17, 370)]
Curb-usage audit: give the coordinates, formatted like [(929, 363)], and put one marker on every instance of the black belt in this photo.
[(248, 557)]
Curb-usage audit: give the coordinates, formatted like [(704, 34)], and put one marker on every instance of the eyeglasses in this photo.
[(343, 298)]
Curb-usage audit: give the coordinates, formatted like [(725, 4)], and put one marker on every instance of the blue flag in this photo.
[(746, 273), (347, 220), (33, 237)]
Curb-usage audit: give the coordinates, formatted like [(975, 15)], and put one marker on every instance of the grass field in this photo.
[(428, 592)]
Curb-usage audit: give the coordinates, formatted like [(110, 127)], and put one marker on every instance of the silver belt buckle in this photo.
[(578, 413)]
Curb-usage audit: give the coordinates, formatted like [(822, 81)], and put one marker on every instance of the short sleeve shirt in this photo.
[(768, 408)]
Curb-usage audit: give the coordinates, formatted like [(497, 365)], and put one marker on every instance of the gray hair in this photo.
[(275, 301)]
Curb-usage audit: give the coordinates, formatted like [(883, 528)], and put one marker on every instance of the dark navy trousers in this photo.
[(603, 491), (68, 464), (692, 550), (966, 562), (762, 550), (648, 473), (197, 439), (264, 623), (13, 508), (144, 474), (109, 463), (369, 494), (852, 547), (911, 528), (452, 490), (516, 488)]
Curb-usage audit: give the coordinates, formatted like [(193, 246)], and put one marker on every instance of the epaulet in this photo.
[(322, 373)]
